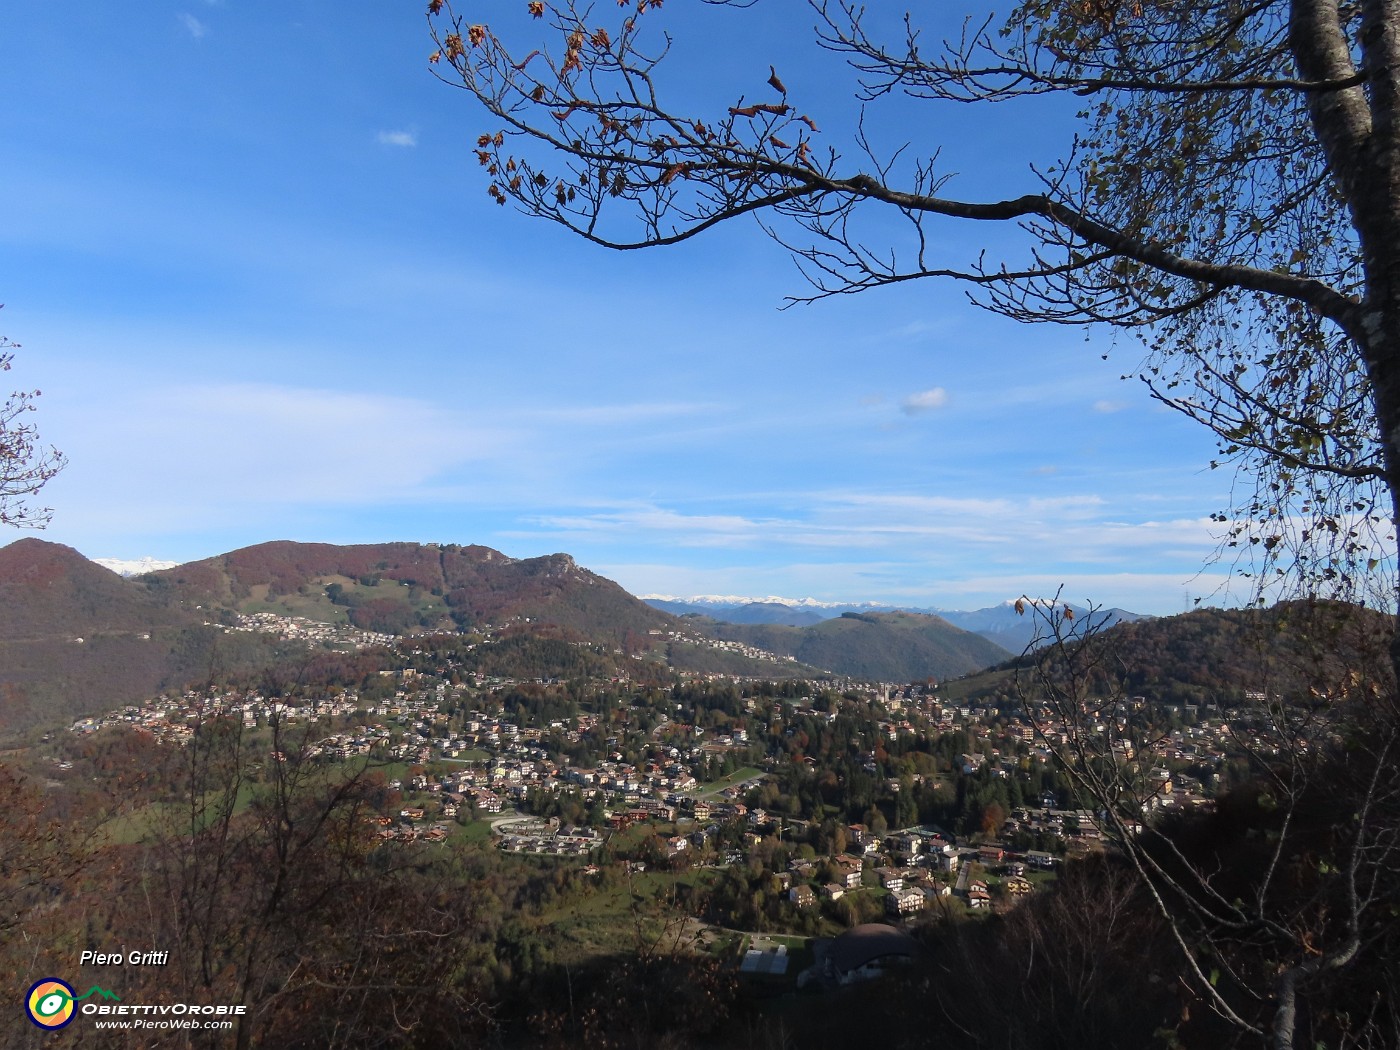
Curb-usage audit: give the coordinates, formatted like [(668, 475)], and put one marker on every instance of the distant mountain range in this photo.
[(76, 638), (883, 646), (402, 587), (733, 601), (1000, 624), (134, 567)]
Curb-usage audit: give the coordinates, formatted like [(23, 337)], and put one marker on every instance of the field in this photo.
[(737, 777), (313, 602)]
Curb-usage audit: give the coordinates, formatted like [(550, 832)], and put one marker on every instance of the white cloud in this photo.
[(1106, 406), (943, 534), (926, 401), (188, 456), (398, 138), (196, 28), (923, 508), (906, 583), (654, 523), (1161, 593)]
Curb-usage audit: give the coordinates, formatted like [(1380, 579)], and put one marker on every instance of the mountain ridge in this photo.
[(1213, 655), (878, 646), (75, 637), (1000, 624)]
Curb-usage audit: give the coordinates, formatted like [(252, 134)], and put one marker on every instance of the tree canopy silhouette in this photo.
[(25, 465), (1230, 194), (1226, 194)]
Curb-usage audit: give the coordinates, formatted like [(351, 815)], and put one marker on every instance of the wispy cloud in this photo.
[(189, 455), (398, 138), (651, 523), (903, 505), (925, 401), (901, 583), (941, 532), (1160, 593), (193, 26), (1106, 406)]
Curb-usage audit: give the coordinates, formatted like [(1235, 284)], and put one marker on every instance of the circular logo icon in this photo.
[(50, 1003)]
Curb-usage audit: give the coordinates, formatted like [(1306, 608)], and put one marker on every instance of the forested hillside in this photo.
[(1212, 655), (890, 647)]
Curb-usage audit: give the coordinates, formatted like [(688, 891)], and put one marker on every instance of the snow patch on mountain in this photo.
[(739, 599), (137, 567)]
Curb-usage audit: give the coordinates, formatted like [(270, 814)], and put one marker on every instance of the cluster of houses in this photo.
[(700, 641), (300, 629), (409, 827), (496, 761), (916, 867), (548, 838), (411, 725), (173, 719)]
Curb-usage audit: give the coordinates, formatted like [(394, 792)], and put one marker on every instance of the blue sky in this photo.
[(253, 268)]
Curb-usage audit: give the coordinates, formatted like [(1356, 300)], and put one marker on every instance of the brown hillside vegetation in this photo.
[(477, 584), (1213, 655), (49, 589), (76, 638)]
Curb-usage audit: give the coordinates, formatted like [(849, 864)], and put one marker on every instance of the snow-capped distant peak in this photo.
[(127, 567), (739, 599)]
